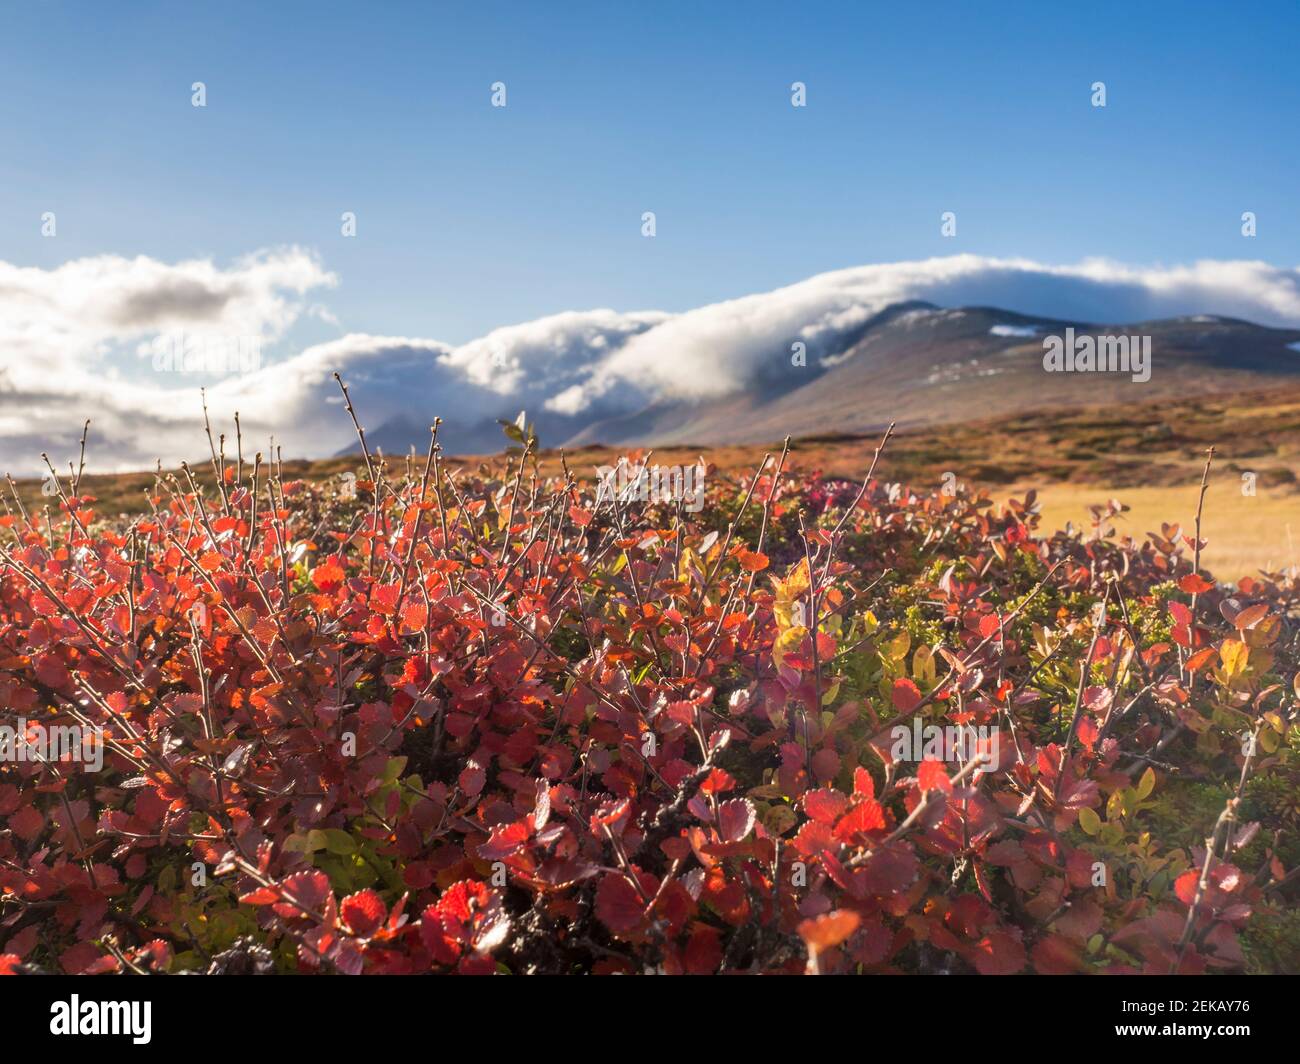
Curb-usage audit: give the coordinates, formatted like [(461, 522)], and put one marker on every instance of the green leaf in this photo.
[(1089, 821), (296, 844), (338, 841)]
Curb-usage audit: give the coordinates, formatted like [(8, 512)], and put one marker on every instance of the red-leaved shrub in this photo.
[(480, 722)]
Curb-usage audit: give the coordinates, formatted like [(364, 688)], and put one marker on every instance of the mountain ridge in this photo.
[(916, 364)]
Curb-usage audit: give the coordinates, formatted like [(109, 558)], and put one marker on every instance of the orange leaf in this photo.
[(828, 930)]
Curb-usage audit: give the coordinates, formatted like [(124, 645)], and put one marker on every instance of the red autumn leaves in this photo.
[(487, 730)]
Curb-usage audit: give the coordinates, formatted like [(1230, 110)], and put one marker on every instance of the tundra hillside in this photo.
[(1148, 455), (484, 721)]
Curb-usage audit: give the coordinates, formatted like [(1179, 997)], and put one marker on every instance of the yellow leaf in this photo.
[(1147, 783), (795, 582), (788, 641), (787, 604), (1234, 654), (923, 670), (898, 647), (1044, 640), (689, 560)]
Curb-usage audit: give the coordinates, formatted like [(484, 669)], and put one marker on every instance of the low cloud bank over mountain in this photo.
[(87, 338)]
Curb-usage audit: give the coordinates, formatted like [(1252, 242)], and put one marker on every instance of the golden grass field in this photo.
[(1243, 535), (1149, 457)]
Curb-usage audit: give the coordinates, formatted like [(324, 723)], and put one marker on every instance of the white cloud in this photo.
[(67, 317), (74, 340), (717, 349), (62, 333)]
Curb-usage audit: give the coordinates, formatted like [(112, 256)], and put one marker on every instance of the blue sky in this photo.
[(470, 217)]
